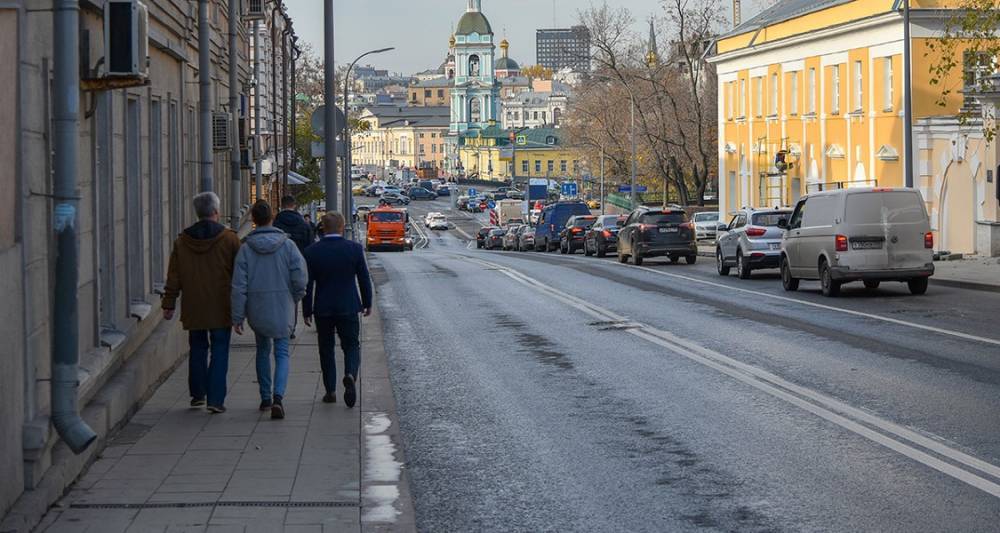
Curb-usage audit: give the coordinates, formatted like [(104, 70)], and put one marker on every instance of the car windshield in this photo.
[(497, 232), (769, 219), (899, 207), (382, 216), (706, 217), (663, 217)]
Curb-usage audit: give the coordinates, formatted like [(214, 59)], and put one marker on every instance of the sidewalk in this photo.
[(324, 468), (977, 273)]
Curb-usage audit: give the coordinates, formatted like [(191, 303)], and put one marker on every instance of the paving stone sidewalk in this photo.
[(973, 273), (323, 468)]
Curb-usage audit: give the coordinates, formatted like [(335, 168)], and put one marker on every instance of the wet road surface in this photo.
[(542, 392)]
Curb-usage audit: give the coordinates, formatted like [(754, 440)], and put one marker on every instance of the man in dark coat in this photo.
[(298, 230), (337, 270)]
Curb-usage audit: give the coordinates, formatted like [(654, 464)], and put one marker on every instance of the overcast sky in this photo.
[(419, 29)]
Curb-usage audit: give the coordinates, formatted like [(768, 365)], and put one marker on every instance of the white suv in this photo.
[(869, 235)]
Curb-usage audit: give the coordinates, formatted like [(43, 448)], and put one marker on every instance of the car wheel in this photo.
[(549, 247), (601, 251), (637, 259), (622, 258), (586, 250), (691, 259), (872, 284), (787, 281), (831, 288), (720, 263), (562, 248), (742, 266), (917, 286)]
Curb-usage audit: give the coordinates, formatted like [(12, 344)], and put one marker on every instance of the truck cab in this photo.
[(386, 229)]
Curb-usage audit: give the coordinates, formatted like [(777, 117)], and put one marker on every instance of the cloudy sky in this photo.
[(419, 29)]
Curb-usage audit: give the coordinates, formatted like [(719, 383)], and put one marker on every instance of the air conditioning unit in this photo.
[(126, 38), (220, 131), (255, 10)]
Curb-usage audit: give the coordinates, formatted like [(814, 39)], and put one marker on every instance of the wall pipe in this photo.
[(236, 189), (284, 106), (295, 113), (257, 144), (205, 95), (65, 322), (273, 95)]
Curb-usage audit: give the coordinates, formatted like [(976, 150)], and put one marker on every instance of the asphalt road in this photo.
[(542, 392)]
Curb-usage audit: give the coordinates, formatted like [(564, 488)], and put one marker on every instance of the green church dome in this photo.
[(474, 22)]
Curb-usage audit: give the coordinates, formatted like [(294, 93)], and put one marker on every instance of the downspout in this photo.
[(295, 101), (257, 148), (284, 106), (65, 323), (273, 95), (205, 94), (236, 190)]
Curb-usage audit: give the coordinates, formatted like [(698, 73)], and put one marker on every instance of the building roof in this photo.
[(473, 22), (506, 63), (436, 82), (782, 11)]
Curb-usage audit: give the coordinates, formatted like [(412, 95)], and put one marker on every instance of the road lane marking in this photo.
[(424, 241), (826, 407), (460, 230)]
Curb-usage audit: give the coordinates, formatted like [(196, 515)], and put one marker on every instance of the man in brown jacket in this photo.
[(201, 266)]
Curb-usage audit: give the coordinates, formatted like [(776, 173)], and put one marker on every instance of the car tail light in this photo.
[(841, 243), (576, 230), (688, 225), (928, 240), (644, 227), (753, 231), (607, 233)]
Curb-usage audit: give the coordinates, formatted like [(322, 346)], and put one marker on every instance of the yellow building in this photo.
[(536, 153), (811, 98), (401, 137)]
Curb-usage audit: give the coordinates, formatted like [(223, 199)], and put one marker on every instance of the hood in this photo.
[(202, 236), (266, 240), (290, 219)]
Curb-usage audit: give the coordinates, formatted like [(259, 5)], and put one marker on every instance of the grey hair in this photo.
[(206, 204)]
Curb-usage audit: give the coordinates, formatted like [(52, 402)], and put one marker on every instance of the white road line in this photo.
[(424, 240), (828, 408), (464, 234)]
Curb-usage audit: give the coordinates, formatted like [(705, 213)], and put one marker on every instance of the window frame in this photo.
[(858, 93)]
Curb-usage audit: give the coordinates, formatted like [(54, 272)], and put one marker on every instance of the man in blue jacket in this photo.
[(337, 269)]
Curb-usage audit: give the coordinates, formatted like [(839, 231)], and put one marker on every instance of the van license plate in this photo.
[(668, 230), (866, 245)]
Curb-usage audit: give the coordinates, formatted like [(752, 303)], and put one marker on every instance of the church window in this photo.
[(474, 66), (475, 113)]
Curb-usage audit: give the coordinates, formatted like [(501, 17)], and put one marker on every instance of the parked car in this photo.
[(649, 232), (373, 191), (552, 220), (461, 202), (510, 238), (494, 239), (393, 198), (429, 216), (362, 212), (443, 190), (496, 196), (420, 193), (866, 234), (482, 234), (594, 204), (358, 190), (751, 241), (515, 194), (602, 237), (571, 237), (526, 239), (706, 225), (438, 222)]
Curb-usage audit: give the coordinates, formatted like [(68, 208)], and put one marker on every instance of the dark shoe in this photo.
[(197, 402), (293, 336), (330, 398), (216, 409), (350, 395), (277, 410), (265, 405)]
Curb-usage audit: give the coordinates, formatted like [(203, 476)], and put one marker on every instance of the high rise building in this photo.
[(560, 48)]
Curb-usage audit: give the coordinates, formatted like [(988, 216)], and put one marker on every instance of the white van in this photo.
[(865, 234)]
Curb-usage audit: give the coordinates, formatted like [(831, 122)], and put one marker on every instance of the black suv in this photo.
[(482, 234), (649, 232), (552, 221), (571, 237)]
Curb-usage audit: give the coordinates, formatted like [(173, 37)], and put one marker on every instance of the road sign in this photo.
[(628, 188), (569, 188), (472, 192), (491, 204), (318, 120), (318, 149)]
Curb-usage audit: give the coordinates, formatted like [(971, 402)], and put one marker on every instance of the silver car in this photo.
[(706, 225), (751, 241), (865, 234)]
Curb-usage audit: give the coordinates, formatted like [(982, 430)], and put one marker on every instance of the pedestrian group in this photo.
[(223, 283)]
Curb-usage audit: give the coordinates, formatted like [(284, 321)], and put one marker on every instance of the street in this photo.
[(544, 392)]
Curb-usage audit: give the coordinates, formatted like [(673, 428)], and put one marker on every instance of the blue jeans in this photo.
[(264, 366), (348, 328), (205, 379)]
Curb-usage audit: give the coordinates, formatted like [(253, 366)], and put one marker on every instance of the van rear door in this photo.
[(888, 228), (866, 230)]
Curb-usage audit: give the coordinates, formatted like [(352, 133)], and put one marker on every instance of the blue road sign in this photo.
[(472, 192), (628, 188), (569, 188), (491, 204)]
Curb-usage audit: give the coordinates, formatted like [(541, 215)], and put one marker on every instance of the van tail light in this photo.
[(928, 240), (607, 234), (754, 231), (552, 228), (841, 243)]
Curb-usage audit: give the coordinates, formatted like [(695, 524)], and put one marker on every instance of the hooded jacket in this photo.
[(295, 225), (201, 267), (270, 278)]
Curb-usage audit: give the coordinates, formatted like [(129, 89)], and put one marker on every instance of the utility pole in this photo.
[(205, 95), (602, 180), (632, 194), (330, 110), (907, 99)]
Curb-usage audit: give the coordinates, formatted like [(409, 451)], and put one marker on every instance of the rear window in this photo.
[(659, 217), (584, 222), (561, 213), (899, 207), (769, 219), (497, 232), (386, 217), (705, 217)]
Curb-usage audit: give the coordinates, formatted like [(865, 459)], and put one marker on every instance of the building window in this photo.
[(103, 121), (413, 96), (576, 166), (562, 166), (743, 98), (758, 97), (474, 66), (535, 115), (434, 148), (440, 93), (858, 87), (544, 118), (133, 205), (550, 166), (729, 99), (156, 195), (427, 93), (509, 116), (887, 83), (538, 166), (524, 167), (835, 92), (774, 95), (517, 115), (811, 89), (793, 96), (421, 149)]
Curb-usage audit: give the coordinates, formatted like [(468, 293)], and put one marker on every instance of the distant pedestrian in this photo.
[(337, 270), (269, 281), (312, 228), (201, 268), (301, 232)]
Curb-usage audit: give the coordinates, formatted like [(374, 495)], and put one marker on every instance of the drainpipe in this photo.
[(65, 323), (273, 95), (236, 190), (205, 94), (284, 106), (295, 154), (257, 148)]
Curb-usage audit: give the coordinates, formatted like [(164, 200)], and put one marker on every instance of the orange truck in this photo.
[(387, 229)]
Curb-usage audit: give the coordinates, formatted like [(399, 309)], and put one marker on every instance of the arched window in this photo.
[(474, 66), (475, 111)]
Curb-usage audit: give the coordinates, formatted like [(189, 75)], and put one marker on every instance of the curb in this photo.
[(960, 284)]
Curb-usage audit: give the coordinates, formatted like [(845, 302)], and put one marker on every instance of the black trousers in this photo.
[(348, 328)]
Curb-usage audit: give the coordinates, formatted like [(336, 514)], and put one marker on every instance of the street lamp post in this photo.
[(346, 174), (907, 99)]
